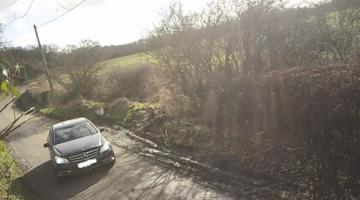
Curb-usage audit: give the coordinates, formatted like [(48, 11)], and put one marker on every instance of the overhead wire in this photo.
[(14, 2), (24, 15), (61, 15), (27, 11), (62, 6)]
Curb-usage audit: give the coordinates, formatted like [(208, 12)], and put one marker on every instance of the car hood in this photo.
[(78, 145)]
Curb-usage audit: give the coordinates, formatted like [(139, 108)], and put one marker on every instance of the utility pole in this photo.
[(45, 62)]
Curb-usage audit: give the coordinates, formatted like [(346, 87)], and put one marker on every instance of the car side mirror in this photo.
[(101, 129), (46, 145)]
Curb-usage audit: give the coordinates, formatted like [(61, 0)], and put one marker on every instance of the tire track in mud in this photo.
[(240, 186)]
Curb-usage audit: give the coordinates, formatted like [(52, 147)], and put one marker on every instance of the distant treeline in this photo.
[(124, 50), (30, 57)]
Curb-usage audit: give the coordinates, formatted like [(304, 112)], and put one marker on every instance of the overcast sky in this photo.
[(107, 21)]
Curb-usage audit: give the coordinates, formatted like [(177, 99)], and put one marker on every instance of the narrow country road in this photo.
[(132, 176)]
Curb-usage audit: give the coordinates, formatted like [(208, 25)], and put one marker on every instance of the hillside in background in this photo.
[(129, 61)]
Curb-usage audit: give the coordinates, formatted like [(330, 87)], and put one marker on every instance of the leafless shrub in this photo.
[(133, 82), (77, 70)]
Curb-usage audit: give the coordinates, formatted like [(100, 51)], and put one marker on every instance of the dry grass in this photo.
[(126, 62)]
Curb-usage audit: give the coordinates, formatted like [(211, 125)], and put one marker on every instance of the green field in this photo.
[(126, 62)]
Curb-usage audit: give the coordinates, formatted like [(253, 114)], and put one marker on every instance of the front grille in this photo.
[(85, 155)]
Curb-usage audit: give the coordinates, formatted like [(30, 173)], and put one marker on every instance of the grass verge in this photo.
[(12, 186)]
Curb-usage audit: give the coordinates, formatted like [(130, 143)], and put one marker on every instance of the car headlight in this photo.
[(60, 160), (105, 147)]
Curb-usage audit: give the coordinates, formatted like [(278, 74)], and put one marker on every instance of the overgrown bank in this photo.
[(298, 126)]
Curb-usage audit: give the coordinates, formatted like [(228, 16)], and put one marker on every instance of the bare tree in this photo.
[(77, 70)]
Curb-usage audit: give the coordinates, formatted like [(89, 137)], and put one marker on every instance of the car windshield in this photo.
[(75, 131)]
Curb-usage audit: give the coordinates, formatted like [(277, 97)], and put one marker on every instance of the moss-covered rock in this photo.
[(78, 107), (28, 100), (140, 112)]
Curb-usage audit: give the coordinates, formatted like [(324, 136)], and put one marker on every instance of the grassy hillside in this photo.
[(128, 76), (126, 62)]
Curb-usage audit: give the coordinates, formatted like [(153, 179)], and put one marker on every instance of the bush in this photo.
[(135, 83), (77, 70), (74, 108)]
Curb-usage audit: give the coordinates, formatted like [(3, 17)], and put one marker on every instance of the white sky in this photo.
[(111, 22)]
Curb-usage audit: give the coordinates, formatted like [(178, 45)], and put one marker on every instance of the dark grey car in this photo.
[(77, 145)]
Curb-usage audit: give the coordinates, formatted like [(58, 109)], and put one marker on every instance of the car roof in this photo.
[(70, 122)]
